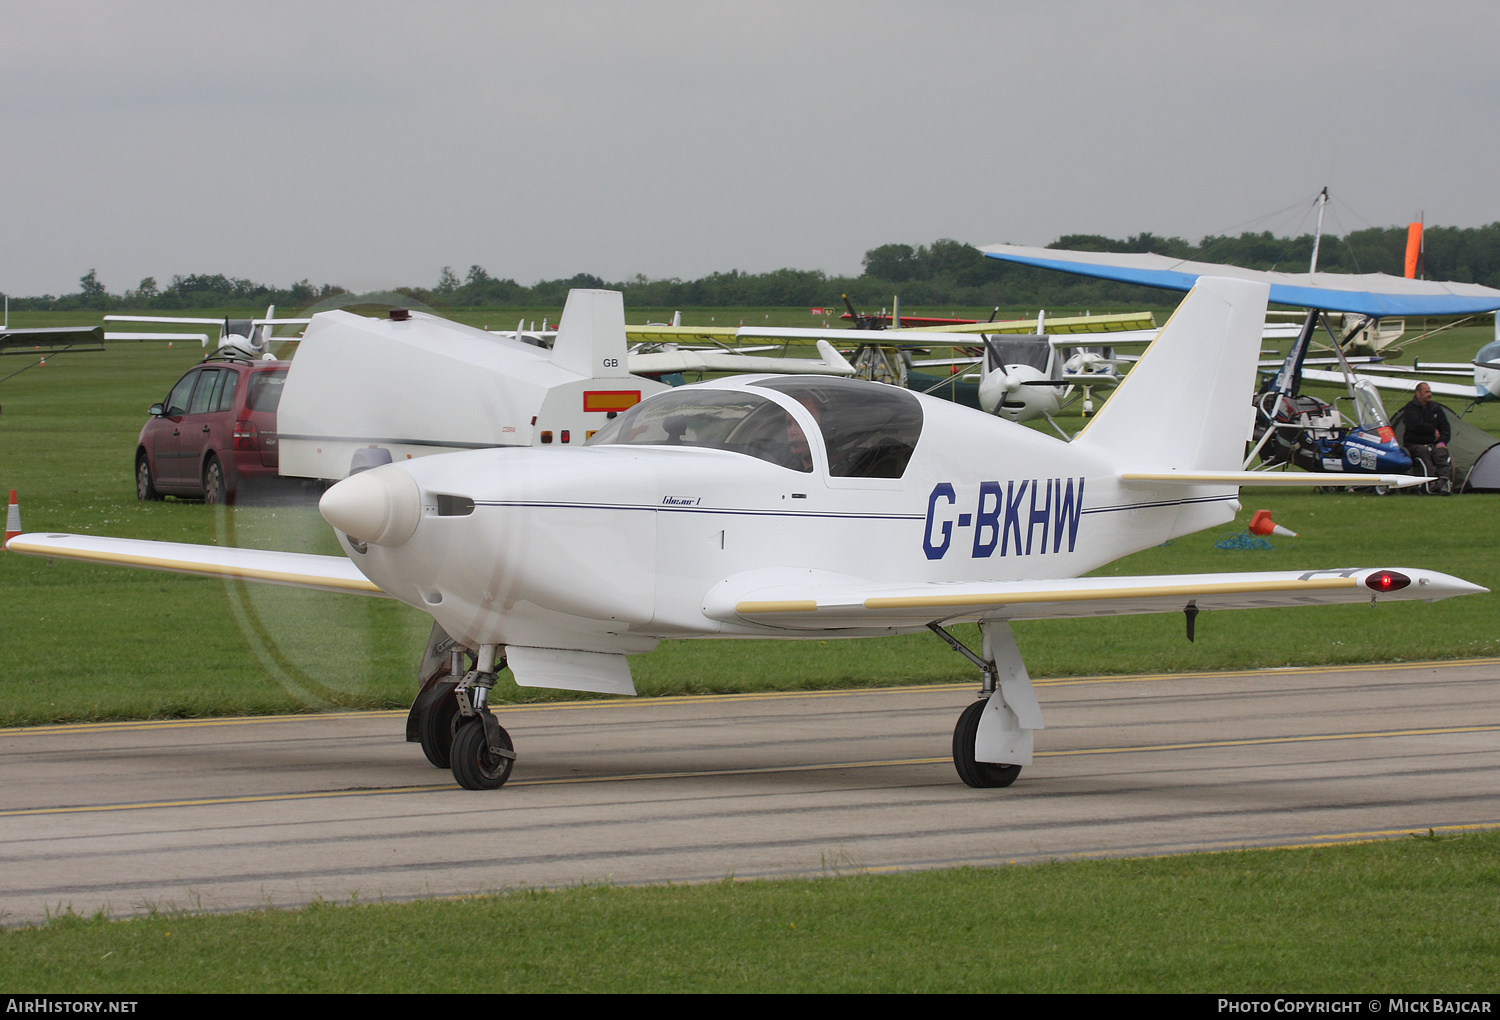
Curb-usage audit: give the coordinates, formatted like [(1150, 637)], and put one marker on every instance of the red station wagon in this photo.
[(215, 429)]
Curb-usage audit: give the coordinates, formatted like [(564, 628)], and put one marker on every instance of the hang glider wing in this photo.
[(1373, 294), (797, 604), (1407, 384), (298, 570)]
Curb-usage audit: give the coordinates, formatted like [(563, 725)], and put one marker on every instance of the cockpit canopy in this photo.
[(869, 431)]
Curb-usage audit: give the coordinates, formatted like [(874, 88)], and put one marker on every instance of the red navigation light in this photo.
[(1386, 581)]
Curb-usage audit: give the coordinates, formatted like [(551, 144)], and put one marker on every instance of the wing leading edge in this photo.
[(298, 570), (797, 605)]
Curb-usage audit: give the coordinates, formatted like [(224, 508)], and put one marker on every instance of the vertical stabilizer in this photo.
[(1186, 404), (591, 336)]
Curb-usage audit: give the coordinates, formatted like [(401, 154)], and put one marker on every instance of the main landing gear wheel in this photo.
[(981, 774), (475, 766), (435, 727)]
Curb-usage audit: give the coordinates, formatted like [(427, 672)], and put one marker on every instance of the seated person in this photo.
[(1426, 436)]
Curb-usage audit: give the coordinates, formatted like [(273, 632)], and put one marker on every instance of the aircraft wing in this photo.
[(50, 340), (686, 360), (799, 604), (298, 570), (1123, 322), (1409, 384), (917, 335), (1374, 294)]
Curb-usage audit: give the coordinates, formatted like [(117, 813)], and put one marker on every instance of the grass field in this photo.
[(1408, 915), (88, 642)]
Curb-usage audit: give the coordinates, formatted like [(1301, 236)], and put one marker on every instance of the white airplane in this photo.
[(245, 338), (747, 508)]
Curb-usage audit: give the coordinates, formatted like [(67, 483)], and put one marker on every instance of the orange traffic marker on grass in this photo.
[(1261, 524)]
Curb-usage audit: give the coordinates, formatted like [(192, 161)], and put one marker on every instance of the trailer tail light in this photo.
[(1387, 581), (246, 436)]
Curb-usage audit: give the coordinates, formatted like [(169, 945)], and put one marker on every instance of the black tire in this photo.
[(474, 767), (435, 729), (978, 774), (215, 487), (145, 485)]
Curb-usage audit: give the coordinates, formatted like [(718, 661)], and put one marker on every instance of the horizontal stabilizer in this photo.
[(1278, 478), (297, 570)]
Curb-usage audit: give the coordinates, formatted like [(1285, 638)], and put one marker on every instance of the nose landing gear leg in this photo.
[(482, 753)]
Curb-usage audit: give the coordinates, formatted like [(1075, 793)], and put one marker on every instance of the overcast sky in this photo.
[(370, 144)]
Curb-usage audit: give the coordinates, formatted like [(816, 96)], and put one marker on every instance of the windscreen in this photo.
[(712, 419)]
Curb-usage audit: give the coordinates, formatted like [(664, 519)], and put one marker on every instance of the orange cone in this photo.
[(1261, 524), (12, 518)]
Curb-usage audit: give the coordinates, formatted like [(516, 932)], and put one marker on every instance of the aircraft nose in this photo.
[(381, 506)]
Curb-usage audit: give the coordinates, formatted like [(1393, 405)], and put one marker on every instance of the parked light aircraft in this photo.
[(747, 508), (248, 338)]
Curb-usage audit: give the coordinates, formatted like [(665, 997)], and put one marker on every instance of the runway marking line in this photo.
[(688, 699), (710, 773)]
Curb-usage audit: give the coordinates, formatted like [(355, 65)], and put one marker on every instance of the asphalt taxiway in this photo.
[(227, 814)]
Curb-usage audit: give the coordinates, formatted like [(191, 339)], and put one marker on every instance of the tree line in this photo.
[(945, 272)]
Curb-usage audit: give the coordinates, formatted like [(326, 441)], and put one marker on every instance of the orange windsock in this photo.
[(1413, 249)]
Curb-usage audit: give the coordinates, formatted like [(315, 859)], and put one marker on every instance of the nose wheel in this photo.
[(482, 753)]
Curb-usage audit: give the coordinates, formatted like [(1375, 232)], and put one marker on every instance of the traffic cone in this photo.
[(12, 518), (1261, 524)]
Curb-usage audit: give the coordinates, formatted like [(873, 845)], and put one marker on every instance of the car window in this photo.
[(869, 430), (226, 391), (206, 392), (713, 419), (177, 400), (264, 393)]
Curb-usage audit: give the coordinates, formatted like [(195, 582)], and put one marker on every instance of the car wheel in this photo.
[(215, 489), (145, 487)]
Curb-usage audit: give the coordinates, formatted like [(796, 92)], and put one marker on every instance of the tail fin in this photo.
[(1186, 404), (591, 336)]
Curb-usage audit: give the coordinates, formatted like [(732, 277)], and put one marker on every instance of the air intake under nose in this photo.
[(382, 506)]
